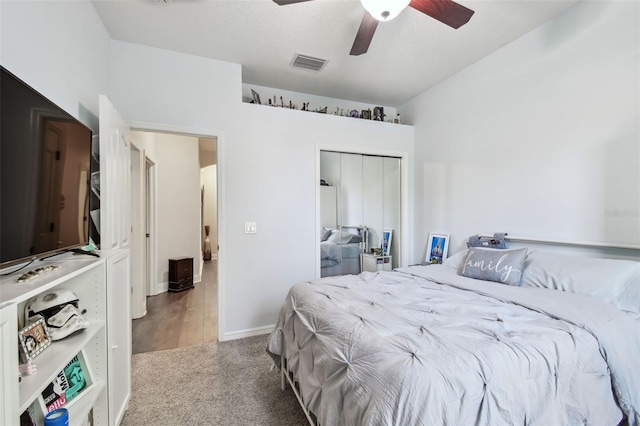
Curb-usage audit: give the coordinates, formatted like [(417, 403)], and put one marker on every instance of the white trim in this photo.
[(173, 129), (404, 194), (219, 135), (250, 332)]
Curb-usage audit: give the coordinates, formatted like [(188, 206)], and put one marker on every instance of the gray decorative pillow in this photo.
[(324, 233), (502, 266)]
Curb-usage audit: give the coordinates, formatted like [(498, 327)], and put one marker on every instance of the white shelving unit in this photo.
[(87, 278), (374, 263)]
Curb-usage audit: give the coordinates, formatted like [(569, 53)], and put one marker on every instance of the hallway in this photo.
[(177, 320)]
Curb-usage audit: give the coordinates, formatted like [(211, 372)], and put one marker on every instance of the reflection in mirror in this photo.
[(359, 197)]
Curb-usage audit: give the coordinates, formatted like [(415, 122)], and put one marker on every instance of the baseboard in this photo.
[(234, 335), (162, 287)]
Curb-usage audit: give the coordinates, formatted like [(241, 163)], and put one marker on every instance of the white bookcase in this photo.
[(374, 263), (88, 278)]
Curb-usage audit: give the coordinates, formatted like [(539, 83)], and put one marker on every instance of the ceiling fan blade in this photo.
[(365, 34), (286, 2), (446, 11)]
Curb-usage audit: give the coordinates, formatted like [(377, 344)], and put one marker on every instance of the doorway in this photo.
[(189, 317)]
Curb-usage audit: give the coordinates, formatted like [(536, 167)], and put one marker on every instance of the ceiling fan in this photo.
[(446, 11)]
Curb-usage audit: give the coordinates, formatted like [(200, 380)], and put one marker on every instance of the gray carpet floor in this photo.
[(228, 383)]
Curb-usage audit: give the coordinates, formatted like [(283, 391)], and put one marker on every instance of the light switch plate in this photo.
[(250, 228)]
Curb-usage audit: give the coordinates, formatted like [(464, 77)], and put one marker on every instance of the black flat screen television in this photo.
[(45, 160)]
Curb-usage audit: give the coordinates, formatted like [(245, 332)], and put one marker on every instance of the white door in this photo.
[(138, 232), (150, 226), (115, 211), (118, 334), (115, 178)]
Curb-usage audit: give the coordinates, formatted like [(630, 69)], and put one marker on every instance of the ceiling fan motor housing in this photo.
[(384, 10)]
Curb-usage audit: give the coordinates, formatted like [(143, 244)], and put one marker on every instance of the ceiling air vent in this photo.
[(307, 62)]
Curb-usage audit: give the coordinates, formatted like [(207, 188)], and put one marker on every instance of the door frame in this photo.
[(404, 194), (207, 133)]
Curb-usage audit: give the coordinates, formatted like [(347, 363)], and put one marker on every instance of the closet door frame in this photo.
[(404, 195)]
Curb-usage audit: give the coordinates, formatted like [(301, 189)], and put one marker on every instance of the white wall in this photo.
[(145, 141), (267, 161), (539, 139), (61, 49)]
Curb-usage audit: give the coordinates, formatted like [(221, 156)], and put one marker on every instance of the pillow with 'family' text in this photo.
[(502, 266)]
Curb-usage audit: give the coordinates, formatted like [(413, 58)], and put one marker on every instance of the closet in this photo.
[(359, 195)]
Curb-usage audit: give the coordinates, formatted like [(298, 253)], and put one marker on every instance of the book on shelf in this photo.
[(28, 417), (67, 384)]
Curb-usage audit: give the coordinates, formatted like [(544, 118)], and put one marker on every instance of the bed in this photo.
[(534, 338), (340, 250)]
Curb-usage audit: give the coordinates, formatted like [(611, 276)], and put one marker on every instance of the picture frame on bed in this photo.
[(385, 243), (437, 247)]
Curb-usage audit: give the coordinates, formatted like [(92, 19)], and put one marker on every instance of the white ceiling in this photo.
[(407, 55)]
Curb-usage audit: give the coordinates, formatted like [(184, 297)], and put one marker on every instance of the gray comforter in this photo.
[(425, 346)]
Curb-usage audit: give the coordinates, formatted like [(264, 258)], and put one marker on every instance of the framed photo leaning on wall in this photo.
[(385, 243), (437, 247)]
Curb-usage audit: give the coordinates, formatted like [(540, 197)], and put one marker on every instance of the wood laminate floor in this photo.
[(177, 320)]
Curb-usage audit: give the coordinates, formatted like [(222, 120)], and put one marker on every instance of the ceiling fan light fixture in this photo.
[(385, 10)]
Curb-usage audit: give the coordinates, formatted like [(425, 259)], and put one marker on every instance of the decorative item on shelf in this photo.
[(378, 113), (366, 114), (38, 271), (437, 247), (397, 119), (495, 242), (354, 113), (34, 338), (28, 369), (66, 386), (59, 417), (207, 243), (256, 97), (322, 110), (59, 310)]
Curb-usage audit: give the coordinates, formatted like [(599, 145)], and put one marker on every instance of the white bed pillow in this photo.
[(455, 261), (340, 237), (610, 280)]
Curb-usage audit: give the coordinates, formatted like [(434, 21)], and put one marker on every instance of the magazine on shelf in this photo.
[(65, 386)]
